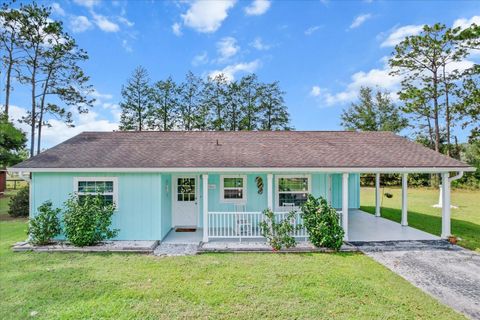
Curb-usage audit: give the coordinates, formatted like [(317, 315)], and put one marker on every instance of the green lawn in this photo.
[(4, 203), (242, 286), (421, 214)]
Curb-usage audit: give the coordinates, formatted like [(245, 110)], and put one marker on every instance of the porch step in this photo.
[(176, 249)]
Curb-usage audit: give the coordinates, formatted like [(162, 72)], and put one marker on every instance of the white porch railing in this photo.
[(243, 225)]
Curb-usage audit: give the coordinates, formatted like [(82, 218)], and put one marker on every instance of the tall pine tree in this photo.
[(137, 102)]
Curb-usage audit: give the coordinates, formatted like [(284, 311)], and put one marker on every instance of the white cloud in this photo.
[(207, 15), (100, 96), (230, 71), (397, 35), (374, 78), (80, 24), (311, 30), (227, 47), (315, 91), (259, 44), (57, 9), (125, 21), (465, 23), (104, 24), (177, 29), (87, 3), (59, 132), (200, 59), (257, 7), (359, 20), (126, 45)]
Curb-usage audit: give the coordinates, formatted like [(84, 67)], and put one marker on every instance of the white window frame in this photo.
[(277, 189), (76, 180), (244, 189)]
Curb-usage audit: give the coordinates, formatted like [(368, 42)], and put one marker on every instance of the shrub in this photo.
[(19, 205), (322, 223), (278, 234), (87, 222), (45, 225)]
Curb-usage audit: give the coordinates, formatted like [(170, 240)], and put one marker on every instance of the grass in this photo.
[(219, 286), (421, 214), (4, 201)]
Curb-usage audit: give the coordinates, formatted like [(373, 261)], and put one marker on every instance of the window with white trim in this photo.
[(292, 191), (233, 188), (106, 187)]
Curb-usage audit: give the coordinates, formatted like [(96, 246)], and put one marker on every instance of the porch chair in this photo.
[(243, 226)]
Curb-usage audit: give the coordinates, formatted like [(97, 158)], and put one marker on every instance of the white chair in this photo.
[(243, 226)]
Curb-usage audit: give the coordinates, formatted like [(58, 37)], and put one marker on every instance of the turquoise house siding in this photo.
[(145, 199), (353, 191), (139, 200)]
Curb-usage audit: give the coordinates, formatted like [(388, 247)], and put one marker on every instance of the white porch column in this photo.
[(446, 209), (377, 195), (205, 207), (345, 205), (270, 191), (404, 199)]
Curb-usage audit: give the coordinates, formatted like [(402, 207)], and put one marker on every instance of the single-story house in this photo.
[(220, 182)]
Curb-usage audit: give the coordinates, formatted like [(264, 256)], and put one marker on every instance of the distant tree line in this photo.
[(213, 103), (439, 91)]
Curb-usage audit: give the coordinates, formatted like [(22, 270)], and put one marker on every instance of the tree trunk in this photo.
[(436, 112), (8, 82), (42, 110), (34, 109), (447, 111)]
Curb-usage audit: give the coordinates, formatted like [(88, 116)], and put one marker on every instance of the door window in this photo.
[(186, 189)]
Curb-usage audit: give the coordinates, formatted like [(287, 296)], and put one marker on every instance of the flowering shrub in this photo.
[(45, 225), (322, 223), (88, 221), (278, 234)]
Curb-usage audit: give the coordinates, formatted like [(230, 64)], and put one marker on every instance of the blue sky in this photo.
[(320, 51)]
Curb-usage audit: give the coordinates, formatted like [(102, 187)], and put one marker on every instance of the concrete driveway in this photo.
[(449, 273)]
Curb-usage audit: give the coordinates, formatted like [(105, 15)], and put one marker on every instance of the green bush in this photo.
[(322, 223), (87, 222), (278, 234), (19, 205), (45, 225)]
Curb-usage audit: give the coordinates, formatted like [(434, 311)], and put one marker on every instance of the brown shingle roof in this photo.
[(278, 149)]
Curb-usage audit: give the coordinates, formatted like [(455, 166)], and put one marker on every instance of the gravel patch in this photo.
[(138, 246), (449, 273), (173, 250)]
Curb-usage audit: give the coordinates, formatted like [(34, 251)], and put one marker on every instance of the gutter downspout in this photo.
[(458, 176)]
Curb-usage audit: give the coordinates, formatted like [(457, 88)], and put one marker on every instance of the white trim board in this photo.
[(257, 169), (244, 189), (113, 179)]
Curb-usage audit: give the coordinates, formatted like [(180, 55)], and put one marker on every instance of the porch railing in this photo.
[(244, 225)]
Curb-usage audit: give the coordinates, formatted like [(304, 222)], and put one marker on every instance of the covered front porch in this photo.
[(359, 226), (363, 227)]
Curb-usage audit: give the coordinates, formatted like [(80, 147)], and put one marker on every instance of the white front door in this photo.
[(185, 201)]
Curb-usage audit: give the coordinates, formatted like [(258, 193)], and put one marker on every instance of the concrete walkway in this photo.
[(363, 226), (449, 273)]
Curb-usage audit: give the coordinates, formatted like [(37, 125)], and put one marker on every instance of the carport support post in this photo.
[(205, 207), (404, 199), (377, 195), (345, 205), (446, 229), (270, 191)]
